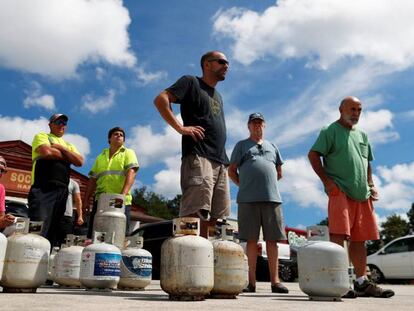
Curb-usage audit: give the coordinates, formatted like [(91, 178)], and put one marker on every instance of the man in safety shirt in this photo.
[(52, 157), (114, 171)]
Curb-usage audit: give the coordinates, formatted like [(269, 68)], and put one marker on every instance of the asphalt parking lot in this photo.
[(153, 298)]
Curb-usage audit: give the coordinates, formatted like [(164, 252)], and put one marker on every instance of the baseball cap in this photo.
[(256, 115), (58, 116)]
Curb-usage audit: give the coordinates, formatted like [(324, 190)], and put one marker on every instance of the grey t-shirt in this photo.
[(73, 188), (257, 171)]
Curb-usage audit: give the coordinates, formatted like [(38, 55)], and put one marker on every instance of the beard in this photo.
[(351, 120)]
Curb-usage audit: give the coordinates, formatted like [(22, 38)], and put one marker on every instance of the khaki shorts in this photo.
[(351, 218), (268, 215), (205, 185)]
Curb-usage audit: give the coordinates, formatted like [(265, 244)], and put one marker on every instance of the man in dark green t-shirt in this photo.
[(347, 178), (204, 180)]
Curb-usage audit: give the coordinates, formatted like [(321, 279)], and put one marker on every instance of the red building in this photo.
[(17, 180)]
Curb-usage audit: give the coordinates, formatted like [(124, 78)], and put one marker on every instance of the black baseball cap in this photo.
[(256, 115), (56, 116)]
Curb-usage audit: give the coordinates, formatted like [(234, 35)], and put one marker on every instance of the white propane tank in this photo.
[(51, 266), (136, 266), (3, 247), (187, 262), (229, 265), (26, 261), (100, 264), (110, 217), (67, 267), (323, 269)]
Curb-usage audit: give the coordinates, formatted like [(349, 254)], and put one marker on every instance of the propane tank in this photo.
[(3, 247), (110, 217), (51, 266), (136, 266), (100, 264), (323, 269), (229, 265), (26, 260), (67, 267), (187, 262)]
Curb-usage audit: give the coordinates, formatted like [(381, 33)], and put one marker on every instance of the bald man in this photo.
[(346, 175)]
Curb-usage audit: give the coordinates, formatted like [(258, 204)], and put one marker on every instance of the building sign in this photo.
[(16, 180)]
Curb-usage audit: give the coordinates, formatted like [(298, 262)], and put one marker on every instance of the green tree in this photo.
[(324, 222), (394, 227), (155, 204), (410, 216)]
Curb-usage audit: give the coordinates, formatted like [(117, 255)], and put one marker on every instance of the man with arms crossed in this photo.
[(204, 181), (52, 157), (347, 177), (256, 166)]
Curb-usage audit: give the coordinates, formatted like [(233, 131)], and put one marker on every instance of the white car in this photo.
[(394, 261)]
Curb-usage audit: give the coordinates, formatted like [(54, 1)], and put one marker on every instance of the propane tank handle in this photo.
[(186, 226), (226, 232)]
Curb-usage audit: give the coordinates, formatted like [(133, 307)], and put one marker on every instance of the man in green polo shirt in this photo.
[(52, 157), (114, 171)]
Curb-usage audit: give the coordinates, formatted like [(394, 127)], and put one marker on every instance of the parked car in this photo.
[(288, 264), (394, 261), (17, 208), (155, 234)]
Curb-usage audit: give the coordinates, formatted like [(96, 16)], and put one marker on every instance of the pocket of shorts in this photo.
[(195, 162), (195, 181), (364, 149)]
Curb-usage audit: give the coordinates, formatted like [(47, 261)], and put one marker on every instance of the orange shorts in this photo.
[(352, 218)]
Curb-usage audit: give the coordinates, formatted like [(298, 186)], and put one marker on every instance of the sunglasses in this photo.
[(60, 122), (221, 61), (260, 148)]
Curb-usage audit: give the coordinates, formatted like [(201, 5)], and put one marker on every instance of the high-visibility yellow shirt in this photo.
[(47, 139), (110, 173)]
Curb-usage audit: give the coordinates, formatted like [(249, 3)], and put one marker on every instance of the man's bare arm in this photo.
[(163, 103), (316, 163), (233, 174)]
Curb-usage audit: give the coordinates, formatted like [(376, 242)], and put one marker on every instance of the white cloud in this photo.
[(378, 125), (53, 38), (154, 147), (98, 104), (317, 106), (322, 31), (396, 186), (165, 148), (35, 98), (100, 73), (301, 185), (17, 128), (145, 77), (167, 181)]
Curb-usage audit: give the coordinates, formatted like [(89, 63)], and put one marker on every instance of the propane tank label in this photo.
[(138, 265), (33, 253), (107, 264)]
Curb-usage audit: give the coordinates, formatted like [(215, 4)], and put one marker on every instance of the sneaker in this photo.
[(250, 289), (350, 294), (279, 288), (370, 289), (203, 214)]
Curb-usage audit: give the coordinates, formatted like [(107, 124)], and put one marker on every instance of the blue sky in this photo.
[(102, 62)]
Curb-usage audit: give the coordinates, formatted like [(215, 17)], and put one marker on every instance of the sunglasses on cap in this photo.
[(60, 122), (221, 61)]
